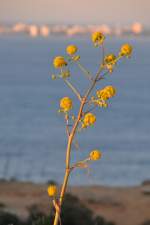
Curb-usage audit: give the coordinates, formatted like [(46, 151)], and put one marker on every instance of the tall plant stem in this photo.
[(68, 151)]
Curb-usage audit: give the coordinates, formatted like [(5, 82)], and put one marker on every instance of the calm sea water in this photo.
[(32, 134)]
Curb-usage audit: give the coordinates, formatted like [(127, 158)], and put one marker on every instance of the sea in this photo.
[(32, 133)]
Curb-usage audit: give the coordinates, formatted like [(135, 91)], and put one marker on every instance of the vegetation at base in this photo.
[(8, 218), (146, 222), (73, 213)]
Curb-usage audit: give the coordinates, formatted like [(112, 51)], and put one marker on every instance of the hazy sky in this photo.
[(76, 11)]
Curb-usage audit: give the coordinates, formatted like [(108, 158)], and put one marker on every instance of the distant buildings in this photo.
[(19, 28), (137, 28), (44, 31), (33, 30), (72, 30)]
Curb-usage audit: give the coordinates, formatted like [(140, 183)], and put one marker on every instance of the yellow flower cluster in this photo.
[(95, 155), (59, 62), (66, 104), (98, 38), (99, 102), (88, 120), (126, 50), (52, 190), (106, 93), (71, 49), (110, 61)]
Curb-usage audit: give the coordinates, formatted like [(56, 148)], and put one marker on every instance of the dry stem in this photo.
[(70, 140)]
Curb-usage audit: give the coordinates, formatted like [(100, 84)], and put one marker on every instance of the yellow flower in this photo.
[(52, 190), (66, 104), (111, 91), (126, 50), (110, 59), (95, 155), (98, 38), (100, 103), (71, 49), (89, 119), (59, 62), (106, 93)]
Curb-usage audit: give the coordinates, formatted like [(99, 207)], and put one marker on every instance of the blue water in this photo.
[(32, 134)]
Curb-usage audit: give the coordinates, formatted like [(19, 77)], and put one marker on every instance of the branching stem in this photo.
[(70, 140), (73, 89), (85, 71)]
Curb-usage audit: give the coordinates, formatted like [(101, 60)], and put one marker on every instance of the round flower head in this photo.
[(111, 91), (66, 104), (59, 62), (109, 62), (71, 49), (102, 94), (110, 59), (52, 190), (95, 155), (126, 50), (106, 93), (89, 119), (98, 38)]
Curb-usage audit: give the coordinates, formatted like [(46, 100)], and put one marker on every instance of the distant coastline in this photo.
[(45, 30)]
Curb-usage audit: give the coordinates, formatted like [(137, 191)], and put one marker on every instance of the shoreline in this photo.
[(122, 205)]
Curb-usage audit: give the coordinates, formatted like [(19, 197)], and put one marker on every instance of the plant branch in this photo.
[(85, 71), (102, 76), (103, 53), (73, 89), (70, 140), (94, 81), (67, 125), (80, 164), (91, 109)]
